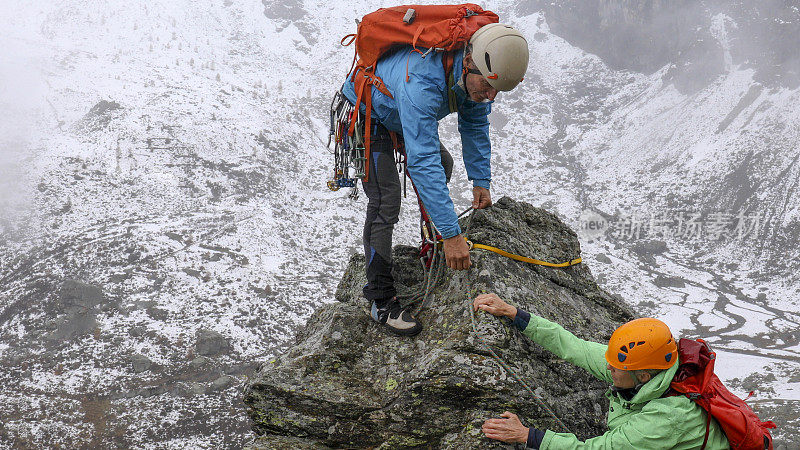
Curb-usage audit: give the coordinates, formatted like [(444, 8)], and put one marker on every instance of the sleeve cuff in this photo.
[(521, 319), (482, 183), (535, 438), (450, 232)]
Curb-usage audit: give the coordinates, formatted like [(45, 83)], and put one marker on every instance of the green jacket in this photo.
[(648, 421)]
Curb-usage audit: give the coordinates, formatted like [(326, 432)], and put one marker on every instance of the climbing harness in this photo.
[(430, 236), (348, 150)]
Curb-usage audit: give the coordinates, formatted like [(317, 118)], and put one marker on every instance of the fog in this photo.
[(21, 105), (693, 36)]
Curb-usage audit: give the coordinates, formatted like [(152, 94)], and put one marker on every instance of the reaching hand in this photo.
[(494, 305), (456, 253), (481, 198), (507, 430)]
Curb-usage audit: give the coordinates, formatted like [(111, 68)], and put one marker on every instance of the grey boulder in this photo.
[(346, 383)]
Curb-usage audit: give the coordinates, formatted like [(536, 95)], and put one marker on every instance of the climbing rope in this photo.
[(433, 271), (470, 296), (523, 258), (437, 265), (432, 276)]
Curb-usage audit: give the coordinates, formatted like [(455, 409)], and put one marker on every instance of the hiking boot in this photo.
[(396, 318)]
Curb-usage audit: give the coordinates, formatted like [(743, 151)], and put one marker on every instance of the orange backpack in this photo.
[(431, 27)]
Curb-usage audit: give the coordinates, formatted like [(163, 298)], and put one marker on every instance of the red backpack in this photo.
[(432, 27), (696, 380)]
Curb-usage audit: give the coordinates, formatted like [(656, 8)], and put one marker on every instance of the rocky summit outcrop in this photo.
[(348, 384)]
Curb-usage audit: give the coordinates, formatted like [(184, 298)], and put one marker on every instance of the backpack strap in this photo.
[(355, 52), (447, 61), (697, 399), (708, 426)]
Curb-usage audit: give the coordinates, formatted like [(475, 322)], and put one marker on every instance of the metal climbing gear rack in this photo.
[(348, 150)]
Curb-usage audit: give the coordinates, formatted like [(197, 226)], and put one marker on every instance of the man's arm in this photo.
[(551, 336), (473, 124), (417, 103), (586, 354), (653, 427)]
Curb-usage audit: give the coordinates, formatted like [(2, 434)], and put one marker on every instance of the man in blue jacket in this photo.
[(495, 60)]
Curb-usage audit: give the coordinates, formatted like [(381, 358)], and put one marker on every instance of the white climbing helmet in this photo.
[(501, 54)]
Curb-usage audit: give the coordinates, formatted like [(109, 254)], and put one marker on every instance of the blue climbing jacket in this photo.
[(415, 111)]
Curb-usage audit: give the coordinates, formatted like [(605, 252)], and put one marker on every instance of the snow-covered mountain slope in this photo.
[(169, 226)]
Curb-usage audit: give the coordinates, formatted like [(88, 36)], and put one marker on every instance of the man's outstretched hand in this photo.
[(508, 430), (481, 198), (456, 253), (494, 305)]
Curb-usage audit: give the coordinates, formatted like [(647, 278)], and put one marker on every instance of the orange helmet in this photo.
[(642, 344)]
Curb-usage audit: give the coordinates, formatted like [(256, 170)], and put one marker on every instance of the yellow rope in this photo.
[(523, 258)]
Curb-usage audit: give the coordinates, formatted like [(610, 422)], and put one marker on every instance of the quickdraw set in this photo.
[(349, 156), (348, 150)]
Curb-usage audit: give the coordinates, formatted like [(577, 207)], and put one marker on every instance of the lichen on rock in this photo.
[(347, 383)]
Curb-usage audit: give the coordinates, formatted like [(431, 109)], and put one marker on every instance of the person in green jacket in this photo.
[(640, 361)]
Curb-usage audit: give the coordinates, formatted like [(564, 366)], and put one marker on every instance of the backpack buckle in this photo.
[(411, 14)]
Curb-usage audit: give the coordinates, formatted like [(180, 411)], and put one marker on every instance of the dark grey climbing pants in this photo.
[(384, 192)]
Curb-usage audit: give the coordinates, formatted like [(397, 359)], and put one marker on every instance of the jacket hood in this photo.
[(656, 387)]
